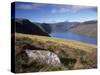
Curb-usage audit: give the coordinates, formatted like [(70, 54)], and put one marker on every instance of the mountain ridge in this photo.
[(27, 27)]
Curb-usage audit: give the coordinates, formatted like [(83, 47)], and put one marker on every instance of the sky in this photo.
[(51, 13)]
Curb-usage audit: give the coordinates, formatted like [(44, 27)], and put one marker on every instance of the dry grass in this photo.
[(58, 41), (73, 54)]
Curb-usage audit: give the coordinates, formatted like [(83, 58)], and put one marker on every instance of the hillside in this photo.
[(27, 27), (86, 28), (45, 26), (63, 26), (33, 53)]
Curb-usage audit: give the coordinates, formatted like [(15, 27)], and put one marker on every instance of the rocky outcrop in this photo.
[(43, 57)]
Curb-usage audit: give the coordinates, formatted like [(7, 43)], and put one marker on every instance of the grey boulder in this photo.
[(43, 57)]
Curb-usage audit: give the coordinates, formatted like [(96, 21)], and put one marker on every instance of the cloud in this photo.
[(72, 8), (61, 10), (35, 5), (25, 6), (56, 8), (83, 8), (29, 6)]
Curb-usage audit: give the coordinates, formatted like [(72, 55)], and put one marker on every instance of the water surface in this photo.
[(74, 36)]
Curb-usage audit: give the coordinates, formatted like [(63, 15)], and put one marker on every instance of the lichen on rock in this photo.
[(43, 57)]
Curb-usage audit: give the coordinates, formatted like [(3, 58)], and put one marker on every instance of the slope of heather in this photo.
[(70, 54)]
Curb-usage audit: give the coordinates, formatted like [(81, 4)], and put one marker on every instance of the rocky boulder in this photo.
[(43, 57)]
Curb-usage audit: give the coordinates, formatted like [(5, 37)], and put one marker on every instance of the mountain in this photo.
[(27, 27), (90, 22), (88, 28), (45, 26), (63, 26)]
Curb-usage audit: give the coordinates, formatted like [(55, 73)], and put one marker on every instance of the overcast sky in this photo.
[(39, 12)]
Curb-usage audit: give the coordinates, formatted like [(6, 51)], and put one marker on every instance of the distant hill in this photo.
[(27, 27), (63, 26), (90, 22), (88, 28), (45, 26)]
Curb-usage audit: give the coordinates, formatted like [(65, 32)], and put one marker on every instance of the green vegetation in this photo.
[(72, 54)]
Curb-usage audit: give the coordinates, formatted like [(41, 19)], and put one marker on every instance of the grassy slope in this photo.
[(67, 50), (70, 43), (86, 29)]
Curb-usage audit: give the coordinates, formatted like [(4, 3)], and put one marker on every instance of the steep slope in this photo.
[(88, 28), (27, 27), (47, 27), (63, 26)]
